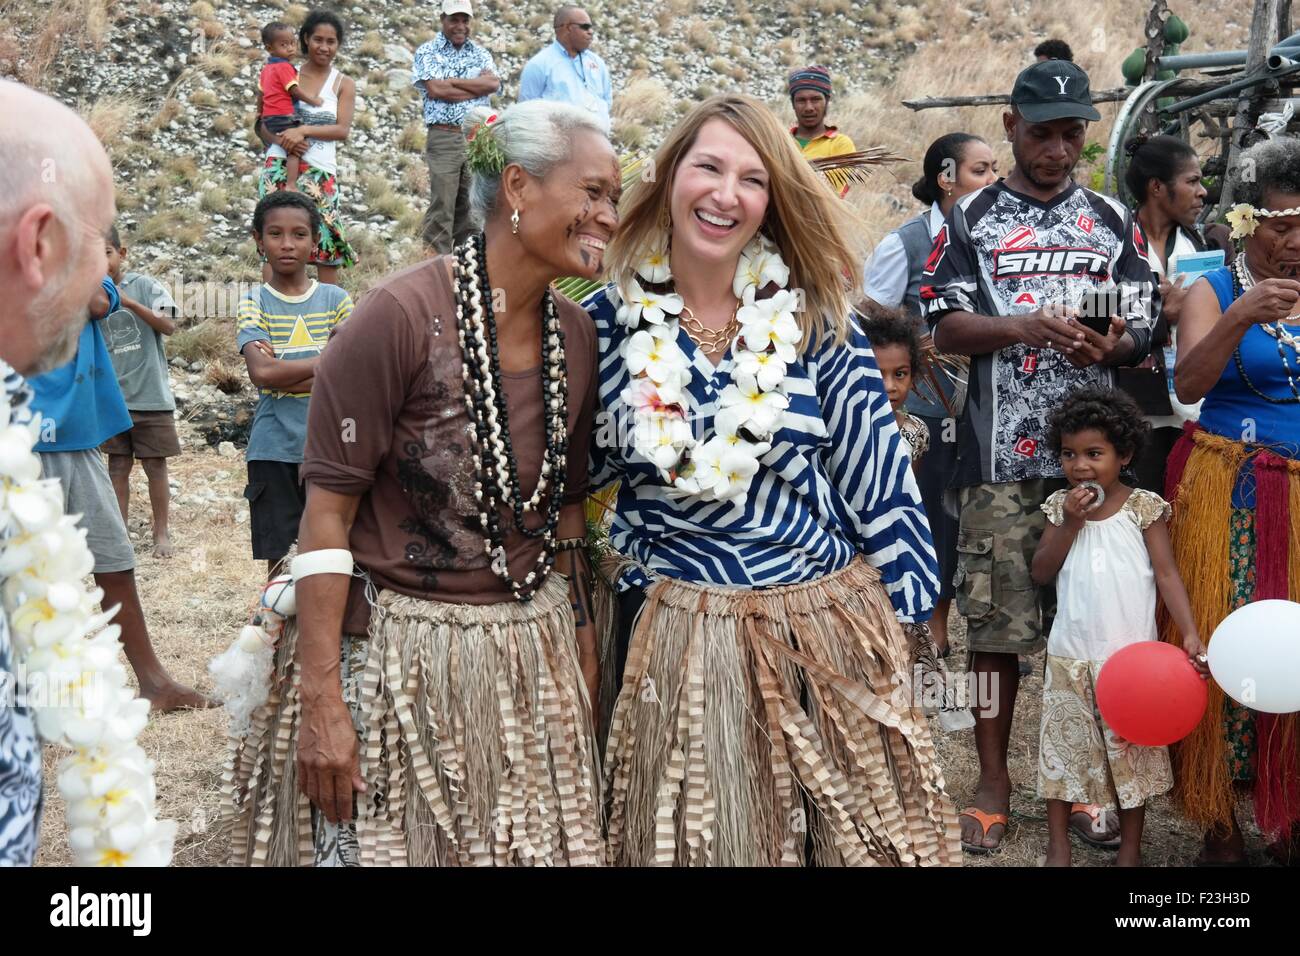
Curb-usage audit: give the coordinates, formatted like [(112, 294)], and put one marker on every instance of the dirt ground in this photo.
[(197, 601)]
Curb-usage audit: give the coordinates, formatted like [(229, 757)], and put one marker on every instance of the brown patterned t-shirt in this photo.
[(388, 423)]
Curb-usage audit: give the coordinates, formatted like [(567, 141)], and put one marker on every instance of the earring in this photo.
[(666, 220), (949, 192), (514, 223)]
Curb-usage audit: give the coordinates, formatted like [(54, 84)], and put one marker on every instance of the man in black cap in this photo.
[(1008, 268)]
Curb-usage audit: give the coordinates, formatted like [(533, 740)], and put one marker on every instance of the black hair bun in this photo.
[(1136, 143), (922, 192)]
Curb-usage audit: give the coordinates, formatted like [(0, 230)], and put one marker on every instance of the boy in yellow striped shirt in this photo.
[(283, 326)]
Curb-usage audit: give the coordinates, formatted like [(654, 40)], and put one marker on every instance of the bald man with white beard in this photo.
[(56, 200), (56, 203)]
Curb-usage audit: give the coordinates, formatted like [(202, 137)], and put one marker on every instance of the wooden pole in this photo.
[(1154, 30), (1263, 23)]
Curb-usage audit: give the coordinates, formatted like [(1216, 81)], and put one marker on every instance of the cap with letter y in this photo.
[(1052, 90)]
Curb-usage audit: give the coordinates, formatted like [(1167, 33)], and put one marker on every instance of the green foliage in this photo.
[(1092, 152)]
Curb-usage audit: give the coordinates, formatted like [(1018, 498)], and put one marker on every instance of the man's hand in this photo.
[(1050, 328), (1096, 349), (329, 764)]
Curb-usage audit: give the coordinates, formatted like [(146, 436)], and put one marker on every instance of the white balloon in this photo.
[(1254, 656), (279, 596)]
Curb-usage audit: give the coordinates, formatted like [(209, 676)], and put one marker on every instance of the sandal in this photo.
[(986, 821), (1088, 834)]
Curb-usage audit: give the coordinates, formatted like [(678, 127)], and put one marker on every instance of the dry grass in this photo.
[(225, 376), (630, 135), (372, 45), (207, 99), (412, 137), (643, 101), (113, 118), (223, 124), (701, 36), (203, 341), (220, 59), (214, 200)]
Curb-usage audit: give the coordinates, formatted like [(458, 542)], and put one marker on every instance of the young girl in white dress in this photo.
[(1107, 548)]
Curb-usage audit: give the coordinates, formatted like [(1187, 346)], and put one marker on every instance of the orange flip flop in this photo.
[(985, 820), (1086, 833)]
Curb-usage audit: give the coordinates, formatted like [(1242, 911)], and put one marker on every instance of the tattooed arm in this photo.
[(574, 565)]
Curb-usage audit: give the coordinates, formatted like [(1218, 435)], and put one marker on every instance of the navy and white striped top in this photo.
[(837, 482)]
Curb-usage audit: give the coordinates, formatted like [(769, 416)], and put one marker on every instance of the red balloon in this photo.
[(1149, 693)]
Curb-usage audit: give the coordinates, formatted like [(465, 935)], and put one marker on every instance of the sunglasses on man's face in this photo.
[(582, 26)]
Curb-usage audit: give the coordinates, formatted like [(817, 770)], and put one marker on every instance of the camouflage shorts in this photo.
[(1006, 613)]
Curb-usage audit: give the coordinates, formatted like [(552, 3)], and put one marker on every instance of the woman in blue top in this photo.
[(771, 528), (1233, 480)]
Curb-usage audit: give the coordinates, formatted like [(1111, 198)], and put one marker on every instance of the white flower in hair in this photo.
[(760, 263), (639, 304), (653, 267), (745, 404)]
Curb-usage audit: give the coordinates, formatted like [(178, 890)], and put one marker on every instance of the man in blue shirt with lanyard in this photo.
[(453, 74), (567, 70)]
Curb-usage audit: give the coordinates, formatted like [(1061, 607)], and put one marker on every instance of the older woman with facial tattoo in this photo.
[(446, 466), (1235, 483), (770, 522)]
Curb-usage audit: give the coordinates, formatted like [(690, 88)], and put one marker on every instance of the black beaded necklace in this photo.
[(496, 467), (1241, 280)]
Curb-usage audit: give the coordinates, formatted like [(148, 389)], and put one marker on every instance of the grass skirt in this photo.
[(477, 743), (773, 727), (1203, 471)]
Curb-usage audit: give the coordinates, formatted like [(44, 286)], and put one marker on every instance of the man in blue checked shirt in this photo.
[(454, 75), (567, 70)]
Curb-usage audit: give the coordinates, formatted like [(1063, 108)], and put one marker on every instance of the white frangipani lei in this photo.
[(750, 411), (67, 661)]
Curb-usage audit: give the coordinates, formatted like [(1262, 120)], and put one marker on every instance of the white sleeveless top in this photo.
[(320, 152)]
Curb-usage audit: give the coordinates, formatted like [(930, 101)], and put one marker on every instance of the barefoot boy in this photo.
[(283, 325), (135, 344)]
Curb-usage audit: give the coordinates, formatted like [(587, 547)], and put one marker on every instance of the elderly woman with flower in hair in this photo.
[(1234, 480), (769, 521), (440, 498)]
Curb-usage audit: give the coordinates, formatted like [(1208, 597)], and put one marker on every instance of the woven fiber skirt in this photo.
[(476, 739), (773, 727)]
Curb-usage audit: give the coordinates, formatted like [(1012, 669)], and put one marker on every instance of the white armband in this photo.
[(328, 561)]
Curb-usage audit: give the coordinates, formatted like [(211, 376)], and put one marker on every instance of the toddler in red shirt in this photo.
[(279, 85)]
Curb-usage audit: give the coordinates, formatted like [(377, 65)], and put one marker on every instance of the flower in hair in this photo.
[(1242, 219)]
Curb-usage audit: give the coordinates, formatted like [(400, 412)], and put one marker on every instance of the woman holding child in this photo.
[(316, 141), (770, 521), (1234, 480)]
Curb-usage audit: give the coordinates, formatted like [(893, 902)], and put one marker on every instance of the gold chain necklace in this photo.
[(710, 340)]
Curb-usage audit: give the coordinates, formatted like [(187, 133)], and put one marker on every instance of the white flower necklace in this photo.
[(750, 411), (67, 661)]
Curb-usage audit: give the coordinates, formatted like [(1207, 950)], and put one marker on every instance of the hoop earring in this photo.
[(666, 220), (514, 223)]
